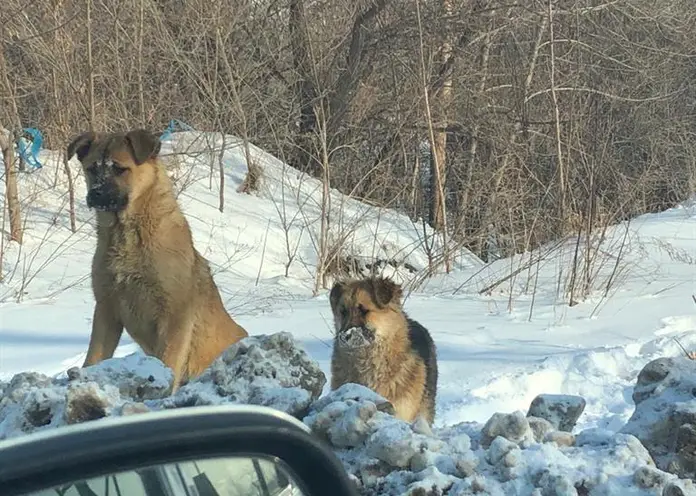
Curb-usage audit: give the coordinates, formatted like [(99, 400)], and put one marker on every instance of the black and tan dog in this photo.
[(377, 345), (147, 277)]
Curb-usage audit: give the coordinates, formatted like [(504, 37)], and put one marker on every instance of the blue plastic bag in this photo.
[(29, 150)]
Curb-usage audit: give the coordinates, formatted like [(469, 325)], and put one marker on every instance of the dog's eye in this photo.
[(118, 170), (362, 310)]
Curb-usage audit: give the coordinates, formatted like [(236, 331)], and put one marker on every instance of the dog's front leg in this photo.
[(174, 334), (107, 329)]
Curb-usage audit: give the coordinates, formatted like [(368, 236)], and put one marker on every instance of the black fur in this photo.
[(383, 291), (423, 345), (335, 294), (80, 145)]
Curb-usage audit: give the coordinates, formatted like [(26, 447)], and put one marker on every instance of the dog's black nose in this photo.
[(94, 197), (106, 199)]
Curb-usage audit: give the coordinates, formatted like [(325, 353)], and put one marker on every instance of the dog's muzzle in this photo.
[(106, 199), (356, 337)]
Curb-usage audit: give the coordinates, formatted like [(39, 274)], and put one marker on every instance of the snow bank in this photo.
[(511, 454), (262, 370), (387, 456)]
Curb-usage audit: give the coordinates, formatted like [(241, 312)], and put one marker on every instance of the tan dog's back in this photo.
[(147, 277), (217, 330)]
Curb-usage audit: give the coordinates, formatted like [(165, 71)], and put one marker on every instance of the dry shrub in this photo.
[(342, 264), (252, 181)]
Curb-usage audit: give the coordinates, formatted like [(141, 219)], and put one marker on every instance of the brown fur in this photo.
[(400, 364), (147, 277)]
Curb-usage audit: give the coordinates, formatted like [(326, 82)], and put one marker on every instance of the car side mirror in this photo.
[(239, 450)]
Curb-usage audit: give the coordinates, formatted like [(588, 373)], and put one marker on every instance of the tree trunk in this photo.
[(141, 86), (11, 192), (562, 207), (442, 101), (302, 157), (321, 279), (71, 192), (464, 223), (490, 217), (90, 68), (337, 102)]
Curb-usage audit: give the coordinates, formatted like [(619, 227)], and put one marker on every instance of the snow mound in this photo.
[(33, 402), (268, 370), (387, 456), (665, 415), (264, 370)]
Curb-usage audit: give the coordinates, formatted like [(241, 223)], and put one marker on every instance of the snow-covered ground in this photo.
[(496, 350)]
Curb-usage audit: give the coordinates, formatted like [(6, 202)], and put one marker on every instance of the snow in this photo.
[(269, 370), (260, 370), (665, 415), (562, 410), (391, 458), (497, 350)]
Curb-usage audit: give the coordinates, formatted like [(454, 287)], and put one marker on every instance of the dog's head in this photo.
[(365, 310), (118, 167)]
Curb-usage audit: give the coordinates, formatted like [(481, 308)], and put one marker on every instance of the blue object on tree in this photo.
[(172, 127), (30, 154)]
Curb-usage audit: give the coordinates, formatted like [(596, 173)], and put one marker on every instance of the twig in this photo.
[(263, 253), (690, 355)]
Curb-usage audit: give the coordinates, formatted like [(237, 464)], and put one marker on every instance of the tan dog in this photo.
[(377, 345), (147, 277)]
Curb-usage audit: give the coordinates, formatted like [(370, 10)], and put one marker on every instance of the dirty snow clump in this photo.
[(510, 455), (267, 370), (665, 415), (264, 370), (561, 410)]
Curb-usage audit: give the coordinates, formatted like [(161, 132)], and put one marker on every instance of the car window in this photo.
[(123, 484), (239, 476), (244, 477)]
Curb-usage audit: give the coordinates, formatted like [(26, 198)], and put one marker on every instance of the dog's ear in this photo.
[(386, 292), (336, 293), (81, 145), (143, 145)]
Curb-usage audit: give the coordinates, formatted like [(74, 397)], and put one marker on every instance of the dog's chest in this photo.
[(125, 271), (128, 266), (138, 297)]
